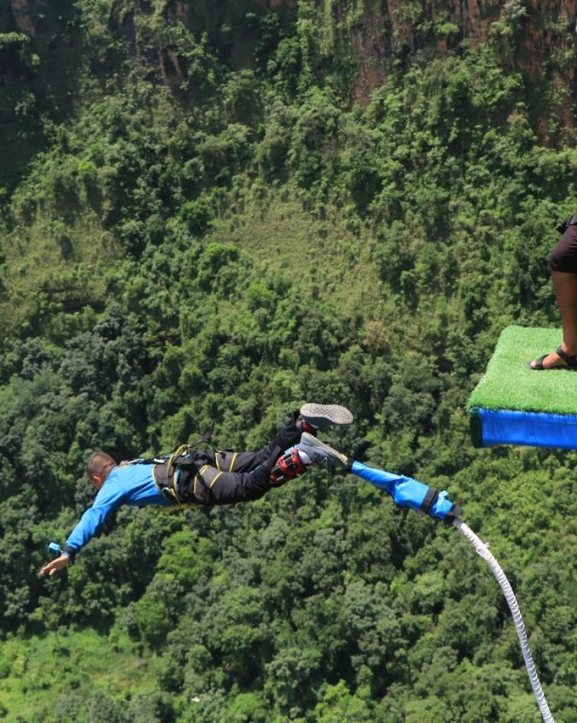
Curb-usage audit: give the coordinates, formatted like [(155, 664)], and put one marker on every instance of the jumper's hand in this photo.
[(55, 566)]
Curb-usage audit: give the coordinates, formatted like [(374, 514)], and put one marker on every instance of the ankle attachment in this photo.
[(304, 426), (287, 467)]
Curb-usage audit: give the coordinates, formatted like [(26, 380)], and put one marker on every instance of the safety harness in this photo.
[(182, 476)]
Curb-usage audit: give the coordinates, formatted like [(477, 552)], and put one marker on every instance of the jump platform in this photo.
[(516, 405)]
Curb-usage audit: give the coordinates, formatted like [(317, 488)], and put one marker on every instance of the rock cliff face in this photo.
[(537, 37), (22, 16)]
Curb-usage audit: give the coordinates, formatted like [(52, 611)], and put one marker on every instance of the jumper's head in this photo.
[(98, 468)]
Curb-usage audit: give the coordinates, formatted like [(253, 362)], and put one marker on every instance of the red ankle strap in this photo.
[(306, 427)]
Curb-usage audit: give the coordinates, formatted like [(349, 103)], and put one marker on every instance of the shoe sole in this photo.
[(321, 415), (311, 442)]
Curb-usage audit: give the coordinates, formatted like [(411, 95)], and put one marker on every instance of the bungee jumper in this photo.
[(194, 477), (191, 477)]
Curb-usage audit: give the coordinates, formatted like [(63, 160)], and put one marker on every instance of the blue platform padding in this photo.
[(534, 429)]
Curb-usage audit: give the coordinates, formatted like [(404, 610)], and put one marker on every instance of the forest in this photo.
[(210, 213)]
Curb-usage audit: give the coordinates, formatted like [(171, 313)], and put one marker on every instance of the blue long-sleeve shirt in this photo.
[(131, 485)]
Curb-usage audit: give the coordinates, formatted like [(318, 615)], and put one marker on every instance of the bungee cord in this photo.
[(407, 492), (482, 550)]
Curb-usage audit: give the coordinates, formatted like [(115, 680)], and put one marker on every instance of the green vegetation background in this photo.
[(198, 223)]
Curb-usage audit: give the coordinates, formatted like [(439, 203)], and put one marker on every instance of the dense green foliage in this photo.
[(199, 225)]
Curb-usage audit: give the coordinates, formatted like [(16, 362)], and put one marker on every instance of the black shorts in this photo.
[(564, 256)]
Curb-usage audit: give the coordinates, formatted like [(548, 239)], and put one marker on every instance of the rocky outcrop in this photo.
[(535, 36), (22, 16)]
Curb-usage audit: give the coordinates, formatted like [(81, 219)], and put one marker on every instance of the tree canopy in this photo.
[(205, 221)]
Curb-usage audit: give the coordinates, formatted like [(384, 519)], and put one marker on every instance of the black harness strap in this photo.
[(430, 499)]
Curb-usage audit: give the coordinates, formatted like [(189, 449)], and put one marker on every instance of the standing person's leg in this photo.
[(565, 285), (563, 269)]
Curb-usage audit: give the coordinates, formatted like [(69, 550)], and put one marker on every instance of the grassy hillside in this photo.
[(72, 666)]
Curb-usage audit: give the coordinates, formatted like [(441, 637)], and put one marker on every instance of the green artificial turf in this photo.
[(509, 384)]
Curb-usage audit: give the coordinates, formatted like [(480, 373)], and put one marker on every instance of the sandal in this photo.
[(569, 359)]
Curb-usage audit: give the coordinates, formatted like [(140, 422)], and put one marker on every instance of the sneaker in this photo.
[(321, 453), (321, 415)]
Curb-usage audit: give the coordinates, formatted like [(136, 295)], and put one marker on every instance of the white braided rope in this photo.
[(483, 550)]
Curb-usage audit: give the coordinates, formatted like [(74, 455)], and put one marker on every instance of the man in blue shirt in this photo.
[(192, 477)]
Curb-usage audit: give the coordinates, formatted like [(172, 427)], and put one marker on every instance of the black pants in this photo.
[(564, 255), (226, 477)]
